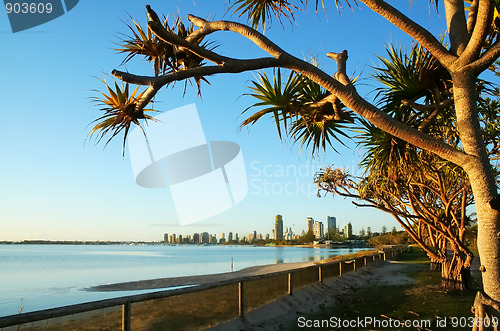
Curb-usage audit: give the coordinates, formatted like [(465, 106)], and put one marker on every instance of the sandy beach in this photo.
[(286, 310), (200, 279)]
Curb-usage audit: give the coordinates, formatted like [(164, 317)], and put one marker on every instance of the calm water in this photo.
[(34, 277)]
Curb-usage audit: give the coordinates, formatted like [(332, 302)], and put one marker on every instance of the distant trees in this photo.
[(398, 238), (306, 238), (335, 236), (362, 233)]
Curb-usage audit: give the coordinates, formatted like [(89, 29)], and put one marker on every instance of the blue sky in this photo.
[(53, 185)]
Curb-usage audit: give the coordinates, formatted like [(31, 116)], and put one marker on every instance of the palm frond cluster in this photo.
[(165, 57), (410, 76), (416, 91), (119, 107), (261, 12), (306, 111)]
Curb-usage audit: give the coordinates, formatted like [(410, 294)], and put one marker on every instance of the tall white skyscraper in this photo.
[(318, 230)]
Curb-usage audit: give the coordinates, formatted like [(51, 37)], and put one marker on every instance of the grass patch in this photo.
[(425, 300)]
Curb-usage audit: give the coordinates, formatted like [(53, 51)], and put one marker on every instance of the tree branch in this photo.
[(421, 35), (341, 60), (471, 19), (349, 97), (156, 83), (479, 34), (258, 38), (423, 108), (173, 39), (457, 25), (487, 59)]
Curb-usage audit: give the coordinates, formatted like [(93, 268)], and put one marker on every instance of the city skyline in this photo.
[(317, 228)]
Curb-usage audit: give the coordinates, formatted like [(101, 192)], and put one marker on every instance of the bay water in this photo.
[(34, 277)]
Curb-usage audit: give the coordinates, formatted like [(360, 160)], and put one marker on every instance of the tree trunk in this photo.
[(435, 265), (484, 189), (455, 275), (485, 313)]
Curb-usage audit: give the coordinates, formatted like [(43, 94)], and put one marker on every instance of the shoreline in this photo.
[(159, 283), (167, 282)]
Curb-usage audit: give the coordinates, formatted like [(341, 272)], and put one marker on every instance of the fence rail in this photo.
[(188, 308)]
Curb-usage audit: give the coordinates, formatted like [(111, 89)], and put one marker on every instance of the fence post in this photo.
[(241, 305), (340, 268), (365, 261), (126, 312), (320, 274), (290, 283)]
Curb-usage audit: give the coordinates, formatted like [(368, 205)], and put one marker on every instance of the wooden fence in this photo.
[(188, 308)]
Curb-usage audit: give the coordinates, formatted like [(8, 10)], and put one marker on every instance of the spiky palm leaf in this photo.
[(384, 153), (302, 107), (317, 130), (280, 102), (120, 112), (261, 11), (165, 57), (148, 45), (410, 76)]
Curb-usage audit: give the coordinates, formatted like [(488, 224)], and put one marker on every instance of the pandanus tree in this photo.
[(471, 49), (427, 195), (429, 199)]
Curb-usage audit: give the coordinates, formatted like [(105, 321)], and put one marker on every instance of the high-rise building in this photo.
[(230, 236), (310, 222), (331, 223), (278, 227), (348, 230), (196, 238), (205, 238), (318, 230), (165, 238)]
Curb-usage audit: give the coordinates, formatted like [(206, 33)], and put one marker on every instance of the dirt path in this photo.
[(280, 313)]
